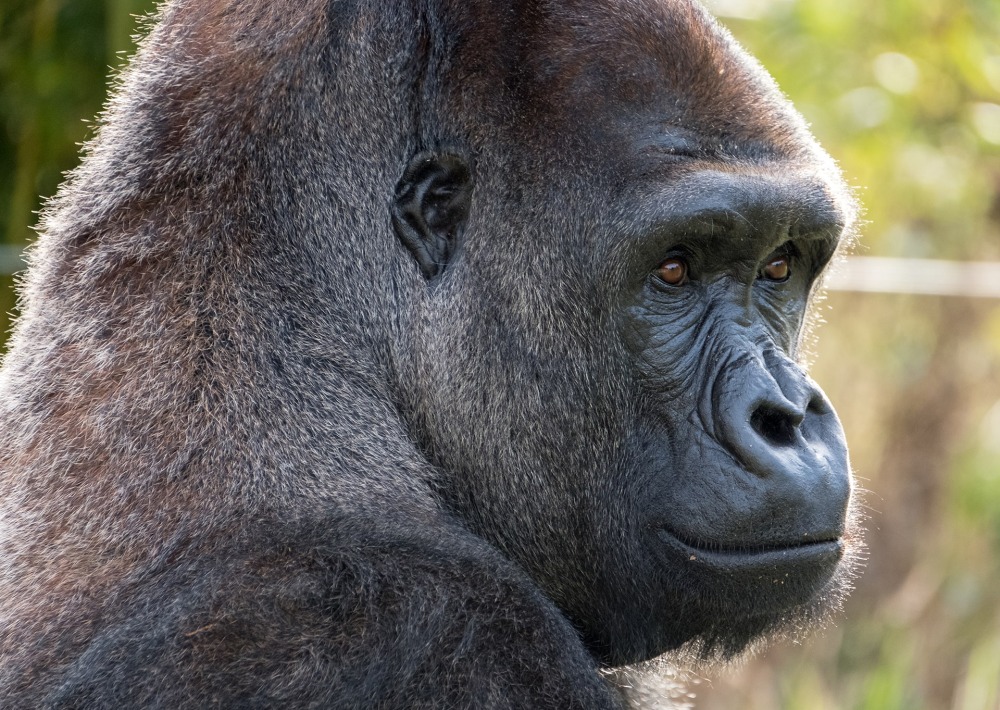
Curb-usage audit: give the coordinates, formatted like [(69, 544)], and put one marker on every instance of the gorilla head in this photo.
[(392, 354), (620, 230)]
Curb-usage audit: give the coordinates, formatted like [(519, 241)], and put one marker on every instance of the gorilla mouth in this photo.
[(749, 557)]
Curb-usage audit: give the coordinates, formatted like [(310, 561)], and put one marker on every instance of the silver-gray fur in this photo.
[(251, 457)]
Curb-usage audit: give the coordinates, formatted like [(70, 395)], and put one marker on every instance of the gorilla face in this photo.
[(745, 504), (606, 362)]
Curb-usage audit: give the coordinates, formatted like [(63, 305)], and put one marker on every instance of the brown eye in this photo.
[(674, 271), (777, 269)]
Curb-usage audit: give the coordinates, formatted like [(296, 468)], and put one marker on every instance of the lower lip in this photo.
[(812, 553)]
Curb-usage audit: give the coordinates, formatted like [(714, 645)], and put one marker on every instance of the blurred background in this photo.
[(906, 95)]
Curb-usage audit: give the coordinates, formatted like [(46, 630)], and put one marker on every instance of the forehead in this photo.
[(662, 68)]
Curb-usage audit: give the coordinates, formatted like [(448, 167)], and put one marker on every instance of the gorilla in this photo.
[(420, 355)]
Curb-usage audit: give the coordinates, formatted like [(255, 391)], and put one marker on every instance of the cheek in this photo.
[(666, 345)]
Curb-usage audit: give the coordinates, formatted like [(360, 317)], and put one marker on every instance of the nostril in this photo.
[(774, 426), (818, 405)]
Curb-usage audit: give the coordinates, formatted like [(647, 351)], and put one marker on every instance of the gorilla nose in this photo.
[(779, 425)]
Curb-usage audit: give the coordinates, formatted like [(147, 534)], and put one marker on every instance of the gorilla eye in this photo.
[(674, 271), (778, 268)]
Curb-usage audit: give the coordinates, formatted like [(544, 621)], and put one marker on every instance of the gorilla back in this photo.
[(436, 354)]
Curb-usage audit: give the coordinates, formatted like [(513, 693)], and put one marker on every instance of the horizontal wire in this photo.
[(928, 277)]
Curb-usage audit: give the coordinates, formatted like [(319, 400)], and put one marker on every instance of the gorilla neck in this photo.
[(141, 337)]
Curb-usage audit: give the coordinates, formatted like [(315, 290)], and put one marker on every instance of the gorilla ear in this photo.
[(431, 207)]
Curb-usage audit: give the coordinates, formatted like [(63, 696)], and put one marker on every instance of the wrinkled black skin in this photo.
[(345, 377)]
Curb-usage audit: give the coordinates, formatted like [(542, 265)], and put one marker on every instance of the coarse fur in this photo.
[(254, 454)]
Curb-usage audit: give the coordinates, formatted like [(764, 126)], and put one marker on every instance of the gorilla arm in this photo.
[(336, 615)]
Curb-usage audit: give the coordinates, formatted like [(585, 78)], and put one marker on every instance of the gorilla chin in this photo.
[(739, 600)]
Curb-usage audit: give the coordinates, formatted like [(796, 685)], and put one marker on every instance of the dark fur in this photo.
[(250, 456)]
